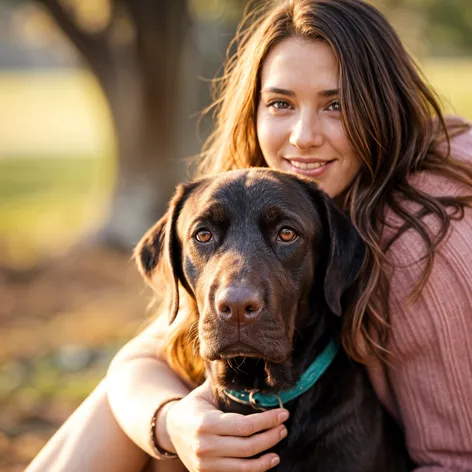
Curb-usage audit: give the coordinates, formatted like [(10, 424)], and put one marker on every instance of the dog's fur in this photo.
[(266, 307)]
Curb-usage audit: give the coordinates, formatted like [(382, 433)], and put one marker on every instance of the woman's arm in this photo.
[(138, 381), (90, 440)]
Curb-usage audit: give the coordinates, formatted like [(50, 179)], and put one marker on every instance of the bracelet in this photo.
[(160, 453)]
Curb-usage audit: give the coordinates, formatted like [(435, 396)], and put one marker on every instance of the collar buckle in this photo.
[(253, 401)]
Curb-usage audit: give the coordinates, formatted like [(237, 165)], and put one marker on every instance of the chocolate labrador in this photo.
[(270, 263)]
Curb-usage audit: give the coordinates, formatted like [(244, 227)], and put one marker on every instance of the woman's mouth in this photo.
[(310, 168)]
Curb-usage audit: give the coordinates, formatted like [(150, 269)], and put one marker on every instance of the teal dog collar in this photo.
[(262, 401)]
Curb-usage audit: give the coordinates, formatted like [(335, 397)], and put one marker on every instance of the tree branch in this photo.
[(94, 48)]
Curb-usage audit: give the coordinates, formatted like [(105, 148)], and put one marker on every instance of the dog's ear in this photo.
[(346, 250), (158, 254)]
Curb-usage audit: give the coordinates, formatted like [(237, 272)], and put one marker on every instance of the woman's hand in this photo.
[(208, 440)]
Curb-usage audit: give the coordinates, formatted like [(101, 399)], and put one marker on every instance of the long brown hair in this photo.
[(391, 117)]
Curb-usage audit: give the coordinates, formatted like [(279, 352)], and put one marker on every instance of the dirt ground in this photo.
[(60, 324)]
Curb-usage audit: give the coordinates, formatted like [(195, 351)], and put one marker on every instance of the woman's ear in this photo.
[(158, 255)]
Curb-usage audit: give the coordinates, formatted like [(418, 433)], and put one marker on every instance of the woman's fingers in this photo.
[(233, 424), (208, 440), (228, 446)]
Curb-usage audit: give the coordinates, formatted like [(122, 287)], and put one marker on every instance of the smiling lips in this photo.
[(308, 165)]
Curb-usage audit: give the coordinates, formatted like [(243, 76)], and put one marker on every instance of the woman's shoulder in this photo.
[(460, 132), (408, 255), (445, 297), (460, 136), (434, 183), (410, 246)]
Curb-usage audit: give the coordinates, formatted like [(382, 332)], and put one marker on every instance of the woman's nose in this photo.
[(307, 133)]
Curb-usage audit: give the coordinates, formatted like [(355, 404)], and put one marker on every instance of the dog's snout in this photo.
[(239, 306)]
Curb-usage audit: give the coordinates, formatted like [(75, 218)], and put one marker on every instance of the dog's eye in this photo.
[(287, 235), (203, 236)]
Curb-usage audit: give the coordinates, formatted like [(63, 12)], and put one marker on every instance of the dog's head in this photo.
[(261, 252)]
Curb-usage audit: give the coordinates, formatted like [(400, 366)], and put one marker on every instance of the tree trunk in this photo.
[(145, 112), (141, 84)]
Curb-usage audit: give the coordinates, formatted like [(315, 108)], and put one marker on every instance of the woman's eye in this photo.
[(203, 236), (279, 104), (335, 106), (287, 235)]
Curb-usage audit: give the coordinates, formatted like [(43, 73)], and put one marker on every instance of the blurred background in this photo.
[(99, 107)]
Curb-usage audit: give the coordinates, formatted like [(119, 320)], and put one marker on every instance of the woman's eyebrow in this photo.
[(281, 91), (278, 90), (329, 92)]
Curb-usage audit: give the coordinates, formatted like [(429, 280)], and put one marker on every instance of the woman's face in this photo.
[(299, 115)]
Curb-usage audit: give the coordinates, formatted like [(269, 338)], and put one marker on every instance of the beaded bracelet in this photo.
[(160, 453)]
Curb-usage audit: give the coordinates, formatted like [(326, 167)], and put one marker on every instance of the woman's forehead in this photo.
[(294, 61)]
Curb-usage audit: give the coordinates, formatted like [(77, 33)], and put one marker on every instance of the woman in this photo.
[(322, 88)]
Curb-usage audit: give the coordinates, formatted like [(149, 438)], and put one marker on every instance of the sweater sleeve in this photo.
[(430, 376)]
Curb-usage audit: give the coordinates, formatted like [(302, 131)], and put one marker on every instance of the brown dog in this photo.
[(270, 263)]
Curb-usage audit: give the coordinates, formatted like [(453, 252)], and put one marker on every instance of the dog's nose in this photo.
[(240, 306)]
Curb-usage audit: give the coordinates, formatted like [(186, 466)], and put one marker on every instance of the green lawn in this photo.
[(56, 162), (47, 204)]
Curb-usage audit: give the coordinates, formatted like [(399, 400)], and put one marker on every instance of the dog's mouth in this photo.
[(222, 343), (248, 373), (257, 356), (241, 350), (240, 366)]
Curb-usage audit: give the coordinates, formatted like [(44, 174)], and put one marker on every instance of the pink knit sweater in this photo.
[(428, 386)]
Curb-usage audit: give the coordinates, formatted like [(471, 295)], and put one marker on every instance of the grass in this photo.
[(56, 164), (25, 177), (47, 204)]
